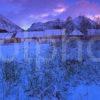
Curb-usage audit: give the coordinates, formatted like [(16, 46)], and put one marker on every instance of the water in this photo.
[(35, 71)]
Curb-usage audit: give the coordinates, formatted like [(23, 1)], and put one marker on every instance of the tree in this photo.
[(69, 25), (97, 19), (85, 24)]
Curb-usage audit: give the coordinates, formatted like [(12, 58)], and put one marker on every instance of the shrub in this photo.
[(11, 72)]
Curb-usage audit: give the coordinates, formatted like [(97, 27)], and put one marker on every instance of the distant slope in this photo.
[(37, 27), (55, 24), (7, 25), (81, 23)]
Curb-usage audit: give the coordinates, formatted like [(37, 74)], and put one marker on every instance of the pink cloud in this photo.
[(60, 9), (84, 7)]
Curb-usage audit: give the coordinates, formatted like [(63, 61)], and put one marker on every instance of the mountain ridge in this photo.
[(6, 24), (81, 23)]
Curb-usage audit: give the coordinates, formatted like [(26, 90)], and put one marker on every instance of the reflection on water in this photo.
[(35, 71)]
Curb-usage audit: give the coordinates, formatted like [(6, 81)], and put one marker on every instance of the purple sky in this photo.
[(25, 12)]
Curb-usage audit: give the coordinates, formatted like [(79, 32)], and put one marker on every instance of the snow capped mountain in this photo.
[(55, 24), (83, 24), (80, 19), (37, 27), (7, 25), (80, 23)]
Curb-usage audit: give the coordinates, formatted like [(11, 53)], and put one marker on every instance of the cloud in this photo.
[(84, 7), (60, 9), (95, 17), (56, 11)]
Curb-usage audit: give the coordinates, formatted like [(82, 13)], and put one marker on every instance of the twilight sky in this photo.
[(25, 12)]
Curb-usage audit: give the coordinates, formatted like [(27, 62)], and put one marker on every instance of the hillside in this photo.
[(7, 25)]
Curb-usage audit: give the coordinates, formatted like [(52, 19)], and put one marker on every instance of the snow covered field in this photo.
[(49, 71), (40, 33), (5, 35)]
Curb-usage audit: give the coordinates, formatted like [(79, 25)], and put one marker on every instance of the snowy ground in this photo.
[(49, 71)]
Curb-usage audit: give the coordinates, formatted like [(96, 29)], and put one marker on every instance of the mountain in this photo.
[(83, 24), (69, 25), (55, 24), (7, 25), (37, 27), (80, 23)]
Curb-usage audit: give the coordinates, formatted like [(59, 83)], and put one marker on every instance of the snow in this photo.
[(37, 27), (29, 34), (77, 21), (76, 32), (39, 33), (5, 35), (93, 31), (55, 24), (8, 25), (55, 32)]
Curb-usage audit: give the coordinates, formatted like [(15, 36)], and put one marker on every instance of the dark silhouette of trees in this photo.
[(2, 31), (69, 25)]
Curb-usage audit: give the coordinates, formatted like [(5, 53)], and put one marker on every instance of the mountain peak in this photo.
[(83, 23)]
